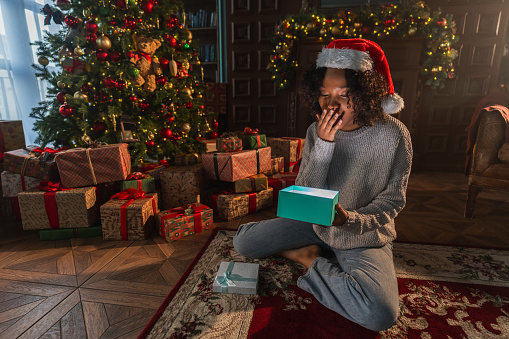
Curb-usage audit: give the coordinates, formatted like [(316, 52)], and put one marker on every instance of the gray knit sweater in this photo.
[(369, 167)]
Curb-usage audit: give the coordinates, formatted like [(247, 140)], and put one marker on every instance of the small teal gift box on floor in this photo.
[(236, 278), (307, 204)]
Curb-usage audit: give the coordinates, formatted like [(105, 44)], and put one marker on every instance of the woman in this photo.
[(355, 148)]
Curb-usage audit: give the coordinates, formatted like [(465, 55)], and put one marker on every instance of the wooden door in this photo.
[(252, 97)]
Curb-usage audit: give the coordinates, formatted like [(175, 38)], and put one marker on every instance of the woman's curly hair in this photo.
[(366, 90)]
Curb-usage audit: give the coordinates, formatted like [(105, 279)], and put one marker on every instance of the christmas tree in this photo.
[(127, 71)]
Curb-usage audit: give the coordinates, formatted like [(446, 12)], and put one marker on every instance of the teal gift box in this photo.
[(236, 278), (308, 204)]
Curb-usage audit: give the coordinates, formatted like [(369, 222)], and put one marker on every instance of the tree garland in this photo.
[(416, 20)]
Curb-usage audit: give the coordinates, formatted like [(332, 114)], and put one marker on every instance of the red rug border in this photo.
[(146, 330)]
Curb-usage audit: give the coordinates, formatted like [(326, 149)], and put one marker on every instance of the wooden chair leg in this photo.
[(473, 191)]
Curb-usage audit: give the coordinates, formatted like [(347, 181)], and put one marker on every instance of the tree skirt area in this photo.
[(445, 292)]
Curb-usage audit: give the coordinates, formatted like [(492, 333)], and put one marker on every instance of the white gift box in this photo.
[(236, 278)]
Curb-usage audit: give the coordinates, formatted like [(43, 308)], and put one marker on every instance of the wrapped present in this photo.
[(210, 144), (236, 278), (69, 233), (33, 162), (129, 215), (12, 136), (14, 183), (74, 66), (51, 206), (308, 204), (253, 183), (253, 140), (182, 159), (154, 168), (181, 185), (277, 165), (229, 142), (233, 166), (91, 166), (139, 181), (281, 180), (179, 222), (289, 148), (229, 206)]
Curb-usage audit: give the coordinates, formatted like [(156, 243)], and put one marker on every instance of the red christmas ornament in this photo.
[(115, 56), (130, 22), (64, 5), (92, 38), (147, 6), (442, 22), (120, 84), (100, 97), (140, 20), (121, 4), (188, 105), (166, 36), (389, 21), (99, 127), (61, 96), (150, 143), (166, 133), (169, 118), (101, 55), (109, 82), (164, 63), (173, 42), (66, 110), (144, 105), (133, 98), (213, 135), (91, 26), (161, 80), (71, 21), (215, 124)]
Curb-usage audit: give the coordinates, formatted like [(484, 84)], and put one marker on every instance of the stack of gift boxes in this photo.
[(93, 191)]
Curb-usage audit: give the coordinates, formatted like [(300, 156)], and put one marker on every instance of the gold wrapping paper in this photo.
[(76, 208), (140, 218), (181, 185), (253, 183), (231, 206)]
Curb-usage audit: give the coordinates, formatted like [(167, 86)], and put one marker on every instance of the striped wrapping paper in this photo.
[(91, 166)]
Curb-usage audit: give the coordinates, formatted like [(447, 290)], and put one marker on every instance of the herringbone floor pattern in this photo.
[(90, 288)]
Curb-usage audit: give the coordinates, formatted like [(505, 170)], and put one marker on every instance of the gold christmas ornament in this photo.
[(185, 65), (322, 31), (188, 35), (198, 62), (412, 31), (103, 42), (168, 85), (43, 60), (187, 91), (172, 65), (336, 30), (185, 127), (357, 25), (81, 96), (78, 51), (310, 25), (150, 136), (61, 84)]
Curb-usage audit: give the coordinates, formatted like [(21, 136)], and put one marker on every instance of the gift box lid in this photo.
[(236, 278), (308, 204)]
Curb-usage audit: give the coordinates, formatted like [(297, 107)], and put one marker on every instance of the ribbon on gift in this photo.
[(130, 195), (296, 164), (44, 153), (138, 176), (56, 15), (185, 211), (50, 202), (249, 131), (228, 278), (76, 65), (280, 181)]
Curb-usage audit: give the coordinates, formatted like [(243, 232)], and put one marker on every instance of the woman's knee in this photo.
[(381, 317), (242, 242)]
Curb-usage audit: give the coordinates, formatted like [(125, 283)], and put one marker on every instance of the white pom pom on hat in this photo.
[(361, 55)]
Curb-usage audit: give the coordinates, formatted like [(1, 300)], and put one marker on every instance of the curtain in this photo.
[(21, 22)]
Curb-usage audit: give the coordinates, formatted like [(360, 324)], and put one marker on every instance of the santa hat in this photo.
[(361, 55)]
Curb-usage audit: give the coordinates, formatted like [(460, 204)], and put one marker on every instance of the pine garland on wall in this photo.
[(368, 22)]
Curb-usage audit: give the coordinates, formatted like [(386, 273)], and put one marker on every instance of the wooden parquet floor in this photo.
[(90, 288)]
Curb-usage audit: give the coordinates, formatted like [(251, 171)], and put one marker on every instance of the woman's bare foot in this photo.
[(304, 255)]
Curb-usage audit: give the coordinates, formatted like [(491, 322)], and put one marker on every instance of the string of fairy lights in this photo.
[(375, 23)]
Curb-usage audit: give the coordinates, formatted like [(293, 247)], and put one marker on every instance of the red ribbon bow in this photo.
[(248, 130), (49, 150), (76, 64), (50, 202), (56, 15), (137, 176), (49, 186), (129, 193), (143, 54)]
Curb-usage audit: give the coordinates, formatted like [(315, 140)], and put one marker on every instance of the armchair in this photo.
[(485, 170)]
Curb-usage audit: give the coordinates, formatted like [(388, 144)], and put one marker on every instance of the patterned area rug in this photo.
[(445, 292)]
